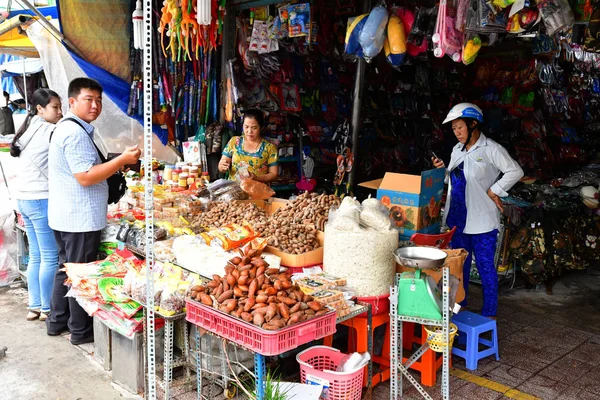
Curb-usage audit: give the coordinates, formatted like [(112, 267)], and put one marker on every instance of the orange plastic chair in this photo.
[(440, 241)]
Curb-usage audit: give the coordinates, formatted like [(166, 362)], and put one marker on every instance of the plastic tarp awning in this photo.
[(101, 31), (115, 130), (14, 40), (26, 66)]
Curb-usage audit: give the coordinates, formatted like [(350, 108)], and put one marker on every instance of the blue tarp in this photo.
[(115, 88), (7, 82)]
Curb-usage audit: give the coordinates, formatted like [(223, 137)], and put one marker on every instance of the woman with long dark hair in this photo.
[(30, 145)]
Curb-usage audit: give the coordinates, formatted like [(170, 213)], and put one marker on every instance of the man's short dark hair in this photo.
[(6, 94), (77, 84)]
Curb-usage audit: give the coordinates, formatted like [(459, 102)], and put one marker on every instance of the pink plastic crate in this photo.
[(318, 364), (267, 343)]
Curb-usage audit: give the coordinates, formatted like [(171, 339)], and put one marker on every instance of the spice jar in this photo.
[(186, 169), (183, 180), (206, 178), (194, 172)]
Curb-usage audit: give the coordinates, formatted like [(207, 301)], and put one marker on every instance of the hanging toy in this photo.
[(138, 25), (372, 34), (471, 48), (395, 43), (203, 12), (446, 40), (355, 26)]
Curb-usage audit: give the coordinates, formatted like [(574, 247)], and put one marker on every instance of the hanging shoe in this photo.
[(32, 315)]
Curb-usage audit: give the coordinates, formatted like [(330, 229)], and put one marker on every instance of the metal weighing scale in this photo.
[(416, 298)]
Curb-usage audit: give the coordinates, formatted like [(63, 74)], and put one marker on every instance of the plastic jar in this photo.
[(206, 178), (186, 169), (168, 173), (183, 180), (194, 172), (175, 174)]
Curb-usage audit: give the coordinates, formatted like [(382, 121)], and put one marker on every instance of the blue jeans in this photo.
[(43, 253)]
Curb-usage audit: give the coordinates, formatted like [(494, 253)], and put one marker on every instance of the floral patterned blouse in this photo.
[(258, 162)]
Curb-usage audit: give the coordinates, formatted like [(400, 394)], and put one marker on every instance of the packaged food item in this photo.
[(310, 285), (329, 279), (330, 297), (230, 236), (256, 190)]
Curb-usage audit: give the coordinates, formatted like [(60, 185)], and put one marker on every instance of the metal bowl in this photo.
[(420, 257)]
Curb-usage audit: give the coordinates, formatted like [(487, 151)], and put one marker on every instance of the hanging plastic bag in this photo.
[(557, 15), (446, 40), (395, 42), (372, 34), (355, 25), (471, 48), (256, 190)]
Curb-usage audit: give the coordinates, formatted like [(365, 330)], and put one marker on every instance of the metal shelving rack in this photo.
[(260, 360), (399, 367)]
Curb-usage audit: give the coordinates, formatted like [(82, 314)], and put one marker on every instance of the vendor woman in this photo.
[(480, 173), (250, 156)]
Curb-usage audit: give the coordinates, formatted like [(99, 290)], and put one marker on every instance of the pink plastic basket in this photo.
[(318, 365), (267, 343)]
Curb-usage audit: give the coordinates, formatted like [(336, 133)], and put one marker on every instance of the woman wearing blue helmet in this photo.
[(479, 174)]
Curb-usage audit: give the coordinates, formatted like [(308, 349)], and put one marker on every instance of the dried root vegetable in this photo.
[(268, 301), (224, 213)]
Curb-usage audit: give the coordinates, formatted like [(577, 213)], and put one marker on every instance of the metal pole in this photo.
[(355, 122), (25, 86), (149, 199)]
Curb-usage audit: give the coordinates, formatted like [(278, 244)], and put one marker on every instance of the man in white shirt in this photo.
[(479, 174), (78, 200)]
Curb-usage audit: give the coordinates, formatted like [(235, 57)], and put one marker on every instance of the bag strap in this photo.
[(102, 158)]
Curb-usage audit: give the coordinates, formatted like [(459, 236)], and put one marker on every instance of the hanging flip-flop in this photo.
[(341, 170)]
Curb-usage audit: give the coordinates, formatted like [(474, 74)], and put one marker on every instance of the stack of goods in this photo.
[(359, 245), (257, 294), (98, 288), (327, 290), (171, 284)]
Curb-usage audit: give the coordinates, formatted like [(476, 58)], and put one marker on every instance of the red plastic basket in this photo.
[(267, 343), (318, 365)]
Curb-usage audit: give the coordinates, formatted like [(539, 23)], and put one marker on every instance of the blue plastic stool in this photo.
[(472, 326)]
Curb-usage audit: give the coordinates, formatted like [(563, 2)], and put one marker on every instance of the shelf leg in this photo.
[(260, 371), (168, 372), (198, 365)]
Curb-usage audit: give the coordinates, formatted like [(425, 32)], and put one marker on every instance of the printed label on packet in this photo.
[(314, 380)]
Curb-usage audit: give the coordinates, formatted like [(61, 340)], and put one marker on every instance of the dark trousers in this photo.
[(65, 312)]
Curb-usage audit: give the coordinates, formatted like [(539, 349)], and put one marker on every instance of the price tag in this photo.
[(413, 287)]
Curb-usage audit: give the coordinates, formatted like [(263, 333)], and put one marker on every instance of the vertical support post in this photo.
[(25, 87), (395, 346), (168, 372), (445, 330), (227, 51), (369, 394), (355, 122), (260, 370), (149, 198), (198, 365)]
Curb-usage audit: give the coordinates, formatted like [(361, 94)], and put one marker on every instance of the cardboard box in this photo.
[(414, 201), (309, 259)]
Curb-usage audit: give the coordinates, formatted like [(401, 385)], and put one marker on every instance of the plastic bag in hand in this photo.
[(256, 190)]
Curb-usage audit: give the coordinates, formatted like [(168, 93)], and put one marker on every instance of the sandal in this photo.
[(32, 315), (44, 316)]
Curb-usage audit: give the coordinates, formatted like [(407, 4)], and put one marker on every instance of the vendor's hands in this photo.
[(224, 165), (131, 155), (496, 199), (437, 162)]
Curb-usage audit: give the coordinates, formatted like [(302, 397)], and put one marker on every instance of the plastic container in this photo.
[(267, 343), (168, 173), (379, 304), (175, 174), (183, 180), (318, 365)]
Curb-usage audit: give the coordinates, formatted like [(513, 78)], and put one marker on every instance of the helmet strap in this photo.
[(470, 129)]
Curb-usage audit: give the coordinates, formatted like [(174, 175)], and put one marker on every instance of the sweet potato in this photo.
[(314, 305), (284, 311), (271, 312), (230, 279), (252, 288), (227, 294), (288, 301), (238, 292), (262, 298), (270, 327), (249, 304), (295, 308), (246, 316), (258, 319), (206, 299)]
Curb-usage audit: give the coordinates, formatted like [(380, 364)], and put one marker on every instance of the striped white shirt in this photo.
[(72, 207)]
